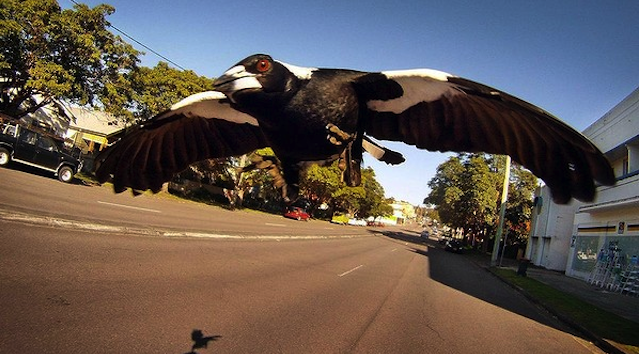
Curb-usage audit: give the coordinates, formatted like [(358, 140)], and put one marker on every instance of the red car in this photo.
[(297, 214)]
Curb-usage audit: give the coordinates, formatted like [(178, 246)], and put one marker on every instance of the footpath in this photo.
[(625, 306)]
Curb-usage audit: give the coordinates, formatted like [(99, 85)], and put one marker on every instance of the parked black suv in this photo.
[(35, 149)]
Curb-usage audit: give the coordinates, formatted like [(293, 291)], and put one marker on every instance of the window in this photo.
[(29, 137), (46, 144)]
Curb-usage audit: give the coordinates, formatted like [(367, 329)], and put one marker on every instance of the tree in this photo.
[(156, 89), (446, 191), (323, 185), (481, 194), (319, 183), (466, 192), (374, 204), (68, 54), (349, 199), (520, 204)]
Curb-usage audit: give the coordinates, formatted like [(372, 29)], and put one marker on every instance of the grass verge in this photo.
[(618, 331)]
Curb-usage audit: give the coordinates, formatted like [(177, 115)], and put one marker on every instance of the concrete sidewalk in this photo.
[(623, 305), (626, 306)]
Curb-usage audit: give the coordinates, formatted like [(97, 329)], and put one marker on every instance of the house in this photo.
[(52, 119), (92, 131), (87, 129), (571, 237), (403, 211)]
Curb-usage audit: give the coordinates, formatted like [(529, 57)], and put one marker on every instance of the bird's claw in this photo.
[(337, 136)]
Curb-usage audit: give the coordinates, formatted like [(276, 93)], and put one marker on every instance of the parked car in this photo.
[(443, 238), (24, 146), (297, 213), (455, 246), (340, 219), (357, 222), (425, 234)]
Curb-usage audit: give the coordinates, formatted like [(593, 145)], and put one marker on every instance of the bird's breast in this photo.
[(302, 140), (295, 122)]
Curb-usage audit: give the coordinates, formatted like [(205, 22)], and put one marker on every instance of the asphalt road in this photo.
[(42, 195), (69, 289)]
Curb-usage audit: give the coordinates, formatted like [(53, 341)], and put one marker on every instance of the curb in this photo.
[(54, 222), (596, 340)]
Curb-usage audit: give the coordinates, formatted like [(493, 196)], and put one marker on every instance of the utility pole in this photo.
[(502, 212)]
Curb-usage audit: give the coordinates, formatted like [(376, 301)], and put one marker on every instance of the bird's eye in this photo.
[(263, 65)]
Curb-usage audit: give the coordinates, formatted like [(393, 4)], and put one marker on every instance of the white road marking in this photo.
[(129, 207), (350, 271), (273, 224), (47, 221)]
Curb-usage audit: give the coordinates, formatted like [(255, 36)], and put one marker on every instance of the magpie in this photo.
[(312, 115)]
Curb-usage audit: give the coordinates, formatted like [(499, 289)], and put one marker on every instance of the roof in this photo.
[(95, 121)]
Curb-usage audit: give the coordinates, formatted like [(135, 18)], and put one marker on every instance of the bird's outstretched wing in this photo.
[(441, 112), (199, 127)]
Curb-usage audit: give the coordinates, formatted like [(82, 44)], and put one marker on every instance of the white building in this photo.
[(569, 237), (403, 211), (92, 130)]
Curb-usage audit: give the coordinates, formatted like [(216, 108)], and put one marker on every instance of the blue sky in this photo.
[(574, 58)]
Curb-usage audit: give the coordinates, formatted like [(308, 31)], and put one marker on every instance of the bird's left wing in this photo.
[(441, 112), (200, 127)]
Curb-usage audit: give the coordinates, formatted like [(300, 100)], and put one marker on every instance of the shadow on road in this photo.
[(460, 273), (200, 341)]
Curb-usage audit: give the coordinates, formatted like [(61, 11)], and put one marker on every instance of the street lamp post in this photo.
[(502, 212)]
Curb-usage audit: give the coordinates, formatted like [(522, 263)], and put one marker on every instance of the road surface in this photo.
[(69, 290)]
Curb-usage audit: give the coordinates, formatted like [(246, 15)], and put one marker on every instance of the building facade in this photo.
[(93, 130), (572, 237)]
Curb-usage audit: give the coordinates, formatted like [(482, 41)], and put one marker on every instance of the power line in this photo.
[(140, 43)]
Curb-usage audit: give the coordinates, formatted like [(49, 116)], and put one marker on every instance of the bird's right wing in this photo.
[(201, 126), (441, 112)]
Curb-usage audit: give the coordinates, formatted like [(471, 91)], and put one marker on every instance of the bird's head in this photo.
[(259, 73)]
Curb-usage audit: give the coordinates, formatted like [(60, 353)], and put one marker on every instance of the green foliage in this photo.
[(68, 54), (72, 55), (466, 192), (520, 203), (156, 89), (463, 190), (373, 204), (322, 184)]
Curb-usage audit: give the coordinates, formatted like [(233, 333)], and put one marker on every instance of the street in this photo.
[(302, 289)]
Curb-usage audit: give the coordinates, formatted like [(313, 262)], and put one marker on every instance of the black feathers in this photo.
[(308, 115)]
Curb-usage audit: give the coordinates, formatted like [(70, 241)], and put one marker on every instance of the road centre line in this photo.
[(274, 224), (129, 207), (350, 271)]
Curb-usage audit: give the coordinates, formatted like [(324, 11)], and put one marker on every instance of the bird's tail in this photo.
[(381, 153)]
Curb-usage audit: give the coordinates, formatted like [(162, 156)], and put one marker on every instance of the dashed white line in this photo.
[(350, 271), (274, 224), (129, 207)]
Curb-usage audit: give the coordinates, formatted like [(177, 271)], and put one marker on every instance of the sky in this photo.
[(574, 58)]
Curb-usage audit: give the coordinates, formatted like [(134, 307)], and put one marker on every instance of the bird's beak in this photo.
[(236, 79)]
